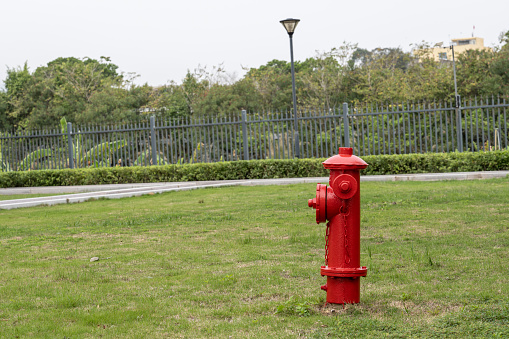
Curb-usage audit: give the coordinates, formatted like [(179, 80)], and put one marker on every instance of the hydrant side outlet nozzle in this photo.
[(312, 202), (339, 204)]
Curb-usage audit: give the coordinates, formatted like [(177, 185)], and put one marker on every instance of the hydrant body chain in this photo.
[(340, 205)]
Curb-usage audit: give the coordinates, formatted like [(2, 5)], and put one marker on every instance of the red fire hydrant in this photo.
[(340, 204)]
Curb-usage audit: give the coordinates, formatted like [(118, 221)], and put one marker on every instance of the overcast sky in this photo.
[(161, 39)]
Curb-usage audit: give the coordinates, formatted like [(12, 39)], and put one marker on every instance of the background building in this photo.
[(460, 46)]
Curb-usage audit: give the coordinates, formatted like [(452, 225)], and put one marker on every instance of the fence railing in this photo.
[(480, 125)]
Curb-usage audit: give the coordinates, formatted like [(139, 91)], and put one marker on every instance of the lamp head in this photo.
[(289, 25)]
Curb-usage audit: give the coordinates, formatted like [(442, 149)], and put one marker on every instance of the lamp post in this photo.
[(457, 103), (289, 25)]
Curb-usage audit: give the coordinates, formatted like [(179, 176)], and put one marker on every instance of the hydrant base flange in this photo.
[(343, 272)]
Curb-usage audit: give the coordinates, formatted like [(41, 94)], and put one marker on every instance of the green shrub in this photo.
[(258, 169)]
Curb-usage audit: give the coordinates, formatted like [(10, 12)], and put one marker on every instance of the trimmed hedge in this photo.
[(258, 169)]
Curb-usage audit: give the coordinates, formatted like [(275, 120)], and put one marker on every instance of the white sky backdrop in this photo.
[(161, 39)]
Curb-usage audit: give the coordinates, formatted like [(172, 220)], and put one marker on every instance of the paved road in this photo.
[(84, 193)]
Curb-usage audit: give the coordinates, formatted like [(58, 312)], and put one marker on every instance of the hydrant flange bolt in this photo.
[(344, 186)]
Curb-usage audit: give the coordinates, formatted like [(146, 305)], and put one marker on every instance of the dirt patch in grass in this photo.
[(425, 311)]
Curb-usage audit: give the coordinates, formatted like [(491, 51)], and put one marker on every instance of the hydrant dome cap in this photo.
[(345, 160)]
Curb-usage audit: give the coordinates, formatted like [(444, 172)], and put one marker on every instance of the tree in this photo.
[(387, 75), (273, 83), (497, 83), (15, 83), (81, 90), (193, 90), (168, 101), (473, 68), (5, 124), (92, 91), (112, 105), (325, 79), (380, 75)]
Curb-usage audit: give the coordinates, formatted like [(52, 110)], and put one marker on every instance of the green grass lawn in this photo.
[(245, 262)]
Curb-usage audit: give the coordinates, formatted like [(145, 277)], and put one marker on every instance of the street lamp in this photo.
[(289, 25), (456, 96), (457, 100)]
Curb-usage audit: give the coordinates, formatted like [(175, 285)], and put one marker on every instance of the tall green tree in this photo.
[(168, 101), (5, 124), (391, 75), (273, 84), (379, 75), (194, 90), (497, 83), (81, 90), (325, 78), (15, 83), (473, 71)]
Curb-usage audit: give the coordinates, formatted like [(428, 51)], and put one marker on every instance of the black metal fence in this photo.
[(480, 125)]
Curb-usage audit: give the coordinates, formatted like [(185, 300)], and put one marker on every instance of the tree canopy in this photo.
[(90, 91)]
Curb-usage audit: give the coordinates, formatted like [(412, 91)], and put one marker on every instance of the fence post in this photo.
[(346, 125), (70, 145), (153, 139), (245, 145), (459, 127)]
